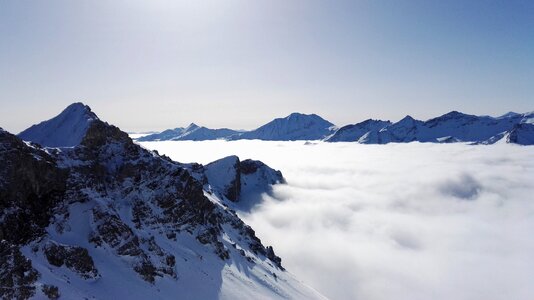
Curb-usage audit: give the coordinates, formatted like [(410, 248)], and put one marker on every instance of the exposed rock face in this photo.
[(51, 291), (224, 175), (233, 177), (17, 276), (522, 134), (31, 185), (135, 206), (75, 258)]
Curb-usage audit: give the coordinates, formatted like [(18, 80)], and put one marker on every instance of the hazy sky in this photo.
[(150, 65)]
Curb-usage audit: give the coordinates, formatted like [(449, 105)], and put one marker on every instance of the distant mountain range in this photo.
[(86, 213), (193, 132), (449, 128)]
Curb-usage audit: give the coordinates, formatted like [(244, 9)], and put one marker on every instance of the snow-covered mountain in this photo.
[(353, 133), (65, 130), (104, 218), (296, 126), (192, 132), (522, 134), (239, 181), (450, 127)]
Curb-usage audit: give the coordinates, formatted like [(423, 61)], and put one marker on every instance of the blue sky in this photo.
[(151, 65)]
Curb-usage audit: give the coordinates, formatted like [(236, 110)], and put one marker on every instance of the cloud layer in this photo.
[(398, 221)]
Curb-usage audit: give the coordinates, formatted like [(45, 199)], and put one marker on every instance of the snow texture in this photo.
[(65, 130)]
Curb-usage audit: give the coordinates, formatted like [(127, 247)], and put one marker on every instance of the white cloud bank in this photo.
[(398, 221)]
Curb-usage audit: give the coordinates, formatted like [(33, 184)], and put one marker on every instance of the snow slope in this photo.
[(192, 132), (296, 126), (352, 133), (65, 130)]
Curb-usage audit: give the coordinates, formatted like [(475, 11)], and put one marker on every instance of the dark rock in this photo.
[(31, 185), (77, 259), (51, 291), (17, 276)]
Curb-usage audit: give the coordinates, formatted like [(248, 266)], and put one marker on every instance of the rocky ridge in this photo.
[(76, 221)]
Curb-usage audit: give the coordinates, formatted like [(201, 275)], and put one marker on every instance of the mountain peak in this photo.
[(297, 115), (296, 126), (64, 130), (191, 127), (454, 113), (509, 114), (407, 118)]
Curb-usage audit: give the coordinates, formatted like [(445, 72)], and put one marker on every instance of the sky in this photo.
[(378, 222), (152, 65)]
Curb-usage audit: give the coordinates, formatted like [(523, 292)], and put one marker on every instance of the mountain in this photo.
[(65, 130), (522, 134), (352, 133), (448, 128), (236, 180), (105, 218), (165, 135), (293, 127), (296, 126), (192, 132)]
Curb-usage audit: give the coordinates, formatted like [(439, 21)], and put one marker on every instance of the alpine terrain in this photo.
[(192, 132), (451, 127), (85, 213), (448, 128)]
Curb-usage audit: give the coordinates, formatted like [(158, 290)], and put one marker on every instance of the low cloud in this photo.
[(399, 221), (463, 187)]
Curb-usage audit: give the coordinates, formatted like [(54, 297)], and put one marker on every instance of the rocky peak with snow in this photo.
[(353, 133), (65, 130), (234, 179), (106, 218), (193, 132), (522, 134), (296, 126)]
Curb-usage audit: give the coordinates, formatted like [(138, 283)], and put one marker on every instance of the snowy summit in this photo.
[(65, 130)]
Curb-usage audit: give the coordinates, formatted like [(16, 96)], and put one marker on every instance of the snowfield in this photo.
[(397, 221)]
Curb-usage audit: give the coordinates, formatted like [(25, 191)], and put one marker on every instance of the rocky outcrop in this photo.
[(522, 134), (77, 259), (51, 291), (31, 185), (224, 175), (17, 276), (233, 178)]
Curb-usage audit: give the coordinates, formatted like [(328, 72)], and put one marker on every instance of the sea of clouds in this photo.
[(398, 221)]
